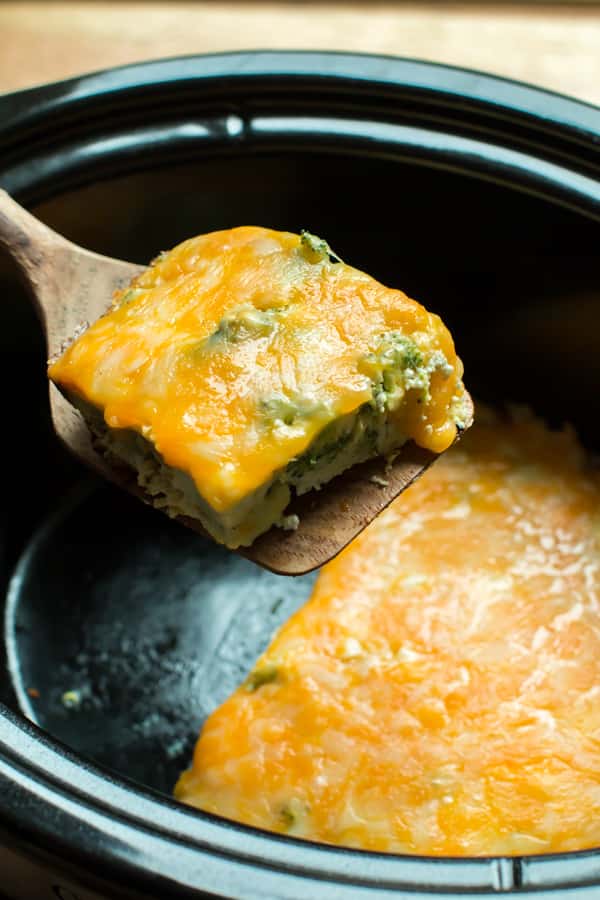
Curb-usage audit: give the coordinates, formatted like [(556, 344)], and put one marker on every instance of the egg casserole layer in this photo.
[(439, 693), (247, 364)]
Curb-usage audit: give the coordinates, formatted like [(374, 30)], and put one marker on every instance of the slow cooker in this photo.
[(477, 195)]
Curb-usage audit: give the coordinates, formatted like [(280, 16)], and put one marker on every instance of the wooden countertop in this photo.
[(556, 46)]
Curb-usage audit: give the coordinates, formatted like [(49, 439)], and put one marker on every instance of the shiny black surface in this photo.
[(248, 84), (479, 197), (134, 630)]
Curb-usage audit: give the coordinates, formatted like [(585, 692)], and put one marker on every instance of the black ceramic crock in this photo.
[(478, 196)]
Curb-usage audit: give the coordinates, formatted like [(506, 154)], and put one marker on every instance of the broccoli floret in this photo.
[(294, 813), (315, 249), (394, 367), (266, 674), (325, 452)]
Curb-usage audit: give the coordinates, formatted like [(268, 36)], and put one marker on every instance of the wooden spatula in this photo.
[(72, 287)]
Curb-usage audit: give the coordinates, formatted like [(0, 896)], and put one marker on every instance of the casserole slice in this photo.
[(248, 364)]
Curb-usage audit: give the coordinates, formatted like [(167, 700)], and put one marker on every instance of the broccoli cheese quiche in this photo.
[(439, 692), (249, 364)]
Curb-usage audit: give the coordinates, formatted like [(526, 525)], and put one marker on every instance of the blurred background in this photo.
[(555, 45)]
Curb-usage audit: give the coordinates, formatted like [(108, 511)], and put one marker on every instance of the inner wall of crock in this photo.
[(148, 625)]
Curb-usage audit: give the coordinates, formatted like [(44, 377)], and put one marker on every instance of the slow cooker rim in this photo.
[(320, 63), (488, 94), (131, 811), (494, 111), (105, 791)]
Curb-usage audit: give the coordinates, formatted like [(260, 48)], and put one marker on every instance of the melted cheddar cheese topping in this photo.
[(235, 350), (439, 693)]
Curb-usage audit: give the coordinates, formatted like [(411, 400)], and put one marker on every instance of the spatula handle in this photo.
[(70, 286), (42, 258), (26, 239)]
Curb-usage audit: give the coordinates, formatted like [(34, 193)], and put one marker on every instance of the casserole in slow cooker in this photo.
[(438, 693)]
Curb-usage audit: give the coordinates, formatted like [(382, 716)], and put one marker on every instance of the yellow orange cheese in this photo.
[(439, 693), (233, 352)]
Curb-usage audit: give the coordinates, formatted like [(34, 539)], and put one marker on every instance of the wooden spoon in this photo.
[(72, 287)]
